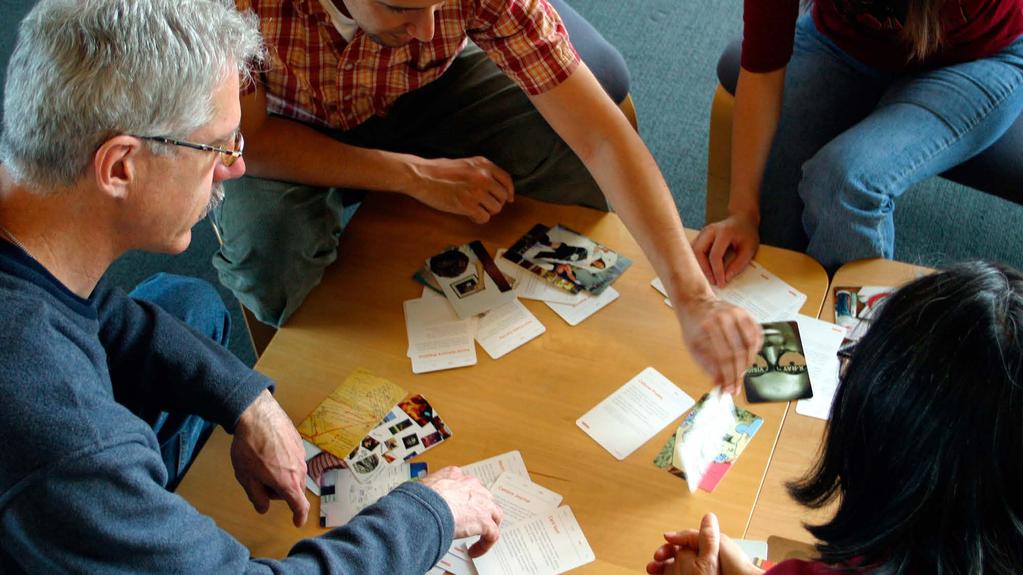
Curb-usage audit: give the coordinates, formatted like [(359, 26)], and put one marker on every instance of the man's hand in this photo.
[(724, 339), (471, 504), (268, 458), (725, 248), (473, 187), (689, 552)]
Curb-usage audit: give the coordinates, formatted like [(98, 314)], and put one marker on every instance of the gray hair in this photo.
[(83, 71)]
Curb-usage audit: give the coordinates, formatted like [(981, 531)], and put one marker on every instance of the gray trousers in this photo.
[(278, 237)]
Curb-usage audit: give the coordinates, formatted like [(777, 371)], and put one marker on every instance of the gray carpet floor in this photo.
[(672, 47)]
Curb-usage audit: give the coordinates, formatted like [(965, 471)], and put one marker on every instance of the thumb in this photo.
[(710, 538)]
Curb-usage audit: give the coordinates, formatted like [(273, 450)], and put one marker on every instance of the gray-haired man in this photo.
[(121, 119)]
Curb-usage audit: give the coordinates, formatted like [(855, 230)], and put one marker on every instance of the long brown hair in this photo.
[(921, 31)]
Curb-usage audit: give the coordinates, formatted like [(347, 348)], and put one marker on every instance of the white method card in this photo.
[(821, 341), (632, 415), (589, 305), (488, 470), (506, 328), (545, 545), (437, 338), (763, 294)]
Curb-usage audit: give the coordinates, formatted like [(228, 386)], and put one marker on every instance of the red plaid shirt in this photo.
[(315, 76)]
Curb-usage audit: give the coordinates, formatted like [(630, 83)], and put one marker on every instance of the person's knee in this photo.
[(277, 240), (191, 300)]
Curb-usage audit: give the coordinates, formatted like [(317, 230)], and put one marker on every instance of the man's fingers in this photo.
[(737, 348), (489, 535), (685, 538), (719, 356), (258, 496), (655, 568), (741, 259), (478, 215), (505, 180), (717, 258), (665, 552), (701, 245), (489, 202), (299, 505)]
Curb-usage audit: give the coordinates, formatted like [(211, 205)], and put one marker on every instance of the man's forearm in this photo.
[(283, 149)]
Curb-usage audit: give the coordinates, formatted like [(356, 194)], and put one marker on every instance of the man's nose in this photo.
[(235, 170)]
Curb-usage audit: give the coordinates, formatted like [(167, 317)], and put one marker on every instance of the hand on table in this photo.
[(268, 458), (471, 504), (725, 248), (473, 187), (724, 339), (703, 552)]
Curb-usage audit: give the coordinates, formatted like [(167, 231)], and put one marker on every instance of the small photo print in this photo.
[(391, 444), (366, 465), (441, 427), (410, 441), (431, 439), (467, 286), (418, 409), (779, 372), (400, 426), (567, 259), (369, 443)]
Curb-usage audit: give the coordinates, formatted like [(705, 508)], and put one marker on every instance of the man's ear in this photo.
[(116, 165)]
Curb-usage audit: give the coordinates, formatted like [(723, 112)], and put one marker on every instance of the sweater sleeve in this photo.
[(769, 29), (156, 361), (104, 510)]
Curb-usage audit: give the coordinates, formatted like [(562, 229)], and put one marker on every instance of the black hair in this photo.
[(924, 450)]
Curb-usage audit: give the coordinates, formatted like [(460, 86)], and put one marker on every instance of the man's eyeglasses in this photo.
[(228, 156)]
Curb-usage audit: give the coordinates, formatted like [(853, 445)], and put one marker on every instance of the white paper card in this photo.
[(545, 545), (437, 338), (506, 328), (457, 564), (488, 470), (632, 415), (821, 341), (350, 497), (766, 296), (589, 305), (753, 548), (763, 294)]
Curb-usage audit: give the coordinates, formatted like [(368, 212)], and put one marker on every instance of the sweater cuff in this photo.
[(244, 393), (438, 509)]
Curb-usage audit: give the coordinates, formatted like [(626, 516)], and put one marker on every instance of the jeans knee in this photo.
[(192, 300)]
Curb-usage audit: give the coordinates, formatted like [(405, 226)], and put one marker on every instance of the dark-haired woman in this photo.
[(836, 115), (923, 450)]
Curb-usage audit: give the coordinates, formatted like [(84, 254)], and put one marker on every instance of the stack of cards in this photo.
[(439, 340), (766, 296), (568, 260), (537, 536), (469, 278), (729, 446)]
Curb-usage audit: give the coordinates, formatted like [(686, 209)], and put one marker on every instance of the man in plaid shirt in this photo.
[(390, 96)]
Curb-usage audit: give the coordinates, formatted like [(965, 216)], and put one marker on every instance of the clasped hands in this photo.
[(703, 552)]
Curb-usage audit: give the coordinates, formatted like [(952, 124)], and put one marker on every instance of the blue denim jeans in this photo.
[(852, 139), (198, 304)]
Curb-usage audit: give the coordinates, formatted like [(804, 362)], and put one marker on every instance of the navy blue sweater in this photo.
[(81, 477)]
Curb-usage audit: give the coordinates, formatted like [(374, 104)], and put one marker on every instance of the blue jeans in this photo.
[(197, 304), (852, 139)]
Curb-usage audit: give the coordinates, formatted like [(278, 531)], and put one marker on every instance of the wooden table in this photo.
[(775, 512), (528, 400)]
